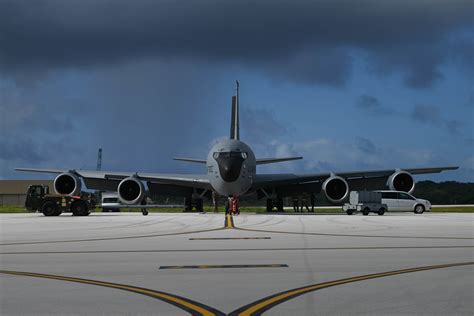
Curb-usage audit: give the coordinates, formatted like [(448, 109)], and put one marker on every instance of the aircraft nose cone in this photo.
[(229, 168)]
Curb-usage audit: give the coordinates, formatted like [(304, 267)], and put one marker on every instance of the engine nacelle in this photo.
[(336, 189), (67, 184), (401, 181), (131, 191)]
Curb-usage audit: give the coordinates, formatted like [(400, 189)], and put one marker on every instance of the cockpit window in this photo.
[(230, 154)]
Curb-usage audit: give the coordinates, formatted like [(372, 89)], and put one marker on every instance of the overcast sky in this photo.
[(347, 84)]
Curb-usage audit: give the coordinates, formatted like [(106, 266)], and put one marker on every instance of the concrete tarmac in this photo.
[(209, 264)]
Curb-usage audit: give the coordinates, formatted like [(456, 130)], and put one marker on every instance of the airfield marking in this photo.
[(230, 250), (194, 308), (262, 305), (226, 266), (255, 308), (229, 221), (111, 238), (351, 235), (229, 238)]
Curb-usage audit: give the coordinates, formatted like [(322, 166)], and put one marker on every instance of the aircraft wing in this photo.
[(274, 160), (276, 180), (98, 179)]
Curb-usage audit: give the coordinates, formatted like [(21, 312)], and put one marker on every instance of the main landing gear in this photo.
[(275, 203), (190, 203), (144, 210)]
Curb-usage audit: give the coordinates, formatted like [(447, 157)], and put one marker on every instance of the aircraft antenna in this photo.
[(99, 160)]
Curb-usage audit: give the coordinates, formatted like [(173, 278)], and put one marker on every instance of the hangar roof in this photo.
[(20, 186)]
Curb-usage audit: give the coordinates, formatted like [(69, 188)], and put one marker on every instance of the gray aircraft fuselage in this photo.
[(231, 167)]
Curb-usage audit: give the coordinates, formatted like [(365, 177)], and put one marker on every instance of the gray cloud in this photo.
[(470, 100), (373, 106), (137, 112), (261, 125), (365, 145), (20, 150), (430, 114), (421, 113), (308, 41)]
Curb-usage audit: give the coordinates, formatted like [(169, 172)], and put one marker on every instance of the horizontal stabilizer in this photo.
[(190, 160), (274, 160)]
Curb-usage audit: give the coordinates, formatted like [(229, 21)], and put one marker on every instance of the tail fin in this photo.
[(234, 124)]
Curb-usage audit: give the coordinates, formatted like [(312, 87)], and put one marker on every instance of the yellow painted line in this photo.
[(194, 308), (229, 221), (260, 306)]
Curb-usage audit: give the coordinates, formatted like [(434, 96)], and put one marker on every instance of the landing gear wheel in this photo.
[(145, 212), (381, 211), (280, 205), (269, 205), (419, 209), (366, 211), (188, 206), (79, 208), (199, 205), (50, 208), (349, 212)]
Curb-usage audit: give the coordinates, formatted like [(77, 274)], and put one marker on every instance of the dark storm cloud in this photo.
[(373, 106), (261, 125), (307, 41), (20, 150), (430, 114), (421, 113)]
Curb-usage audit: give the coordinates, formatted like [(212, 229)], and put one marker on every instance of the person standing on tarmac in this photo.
[(296, 204), (235, 205)]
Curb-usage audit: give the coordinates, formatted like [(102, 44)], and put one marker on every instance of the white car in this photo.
[(109, 200), (404, 202)]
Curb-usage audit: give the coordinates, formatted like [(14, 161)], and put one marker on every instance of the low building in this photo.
[(13, 192)]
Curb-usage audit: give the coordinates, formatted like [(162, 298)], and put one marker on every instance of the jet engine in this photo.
[(67, 184), (131, 191), (336, 189), (401, 181)]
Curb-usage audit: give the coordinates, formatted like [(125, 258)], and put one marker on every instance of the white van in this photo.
[(404, 202), (109, 200)]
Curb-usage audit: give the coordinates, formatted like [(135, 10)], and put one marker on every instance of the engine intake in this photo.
[(336, 189), (131, 191), (401, 181), (67, 184)]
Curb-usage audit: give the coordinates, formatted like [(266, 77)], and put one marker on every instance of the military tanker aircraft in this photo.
[(232, 171)]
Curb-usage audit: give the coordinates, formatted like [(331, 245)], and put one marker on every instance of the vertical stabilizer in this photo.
[(234, 124)]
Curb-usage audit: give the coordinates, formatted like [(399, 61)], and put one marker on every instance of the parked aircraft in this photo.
[(232, 171)]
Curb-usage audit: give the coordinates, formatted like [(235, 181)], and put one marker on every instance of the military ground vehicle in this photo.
[(40, 199)]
